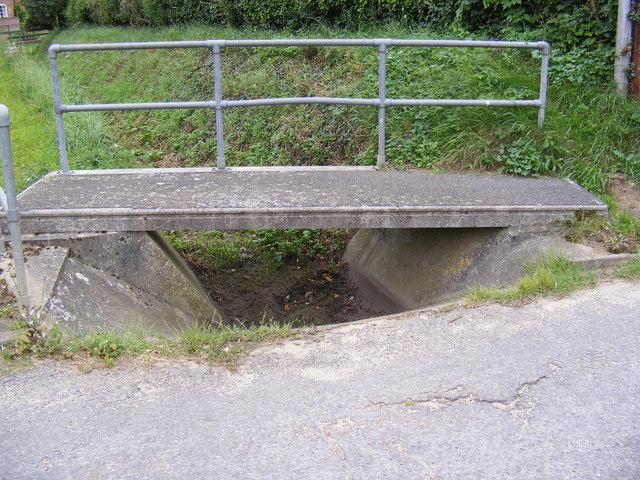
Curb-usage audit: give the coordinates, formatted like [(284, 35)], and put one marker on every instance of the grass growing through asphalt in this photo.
[(631, 270), (218, 344), (552, 275)]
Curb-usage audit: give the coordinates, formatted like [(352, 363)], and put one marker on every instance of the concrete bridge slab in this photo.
[(292, 197)]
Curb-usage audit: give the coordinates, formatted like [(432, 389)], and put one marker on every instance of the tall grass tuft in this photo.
[(553, 275)]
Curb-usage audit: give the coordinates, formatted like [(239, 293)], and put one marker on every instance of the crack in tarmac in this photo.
[(460, 394)]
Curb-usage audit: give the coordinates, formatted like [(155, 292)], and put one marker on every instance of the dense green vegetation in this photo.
[(566, 23)]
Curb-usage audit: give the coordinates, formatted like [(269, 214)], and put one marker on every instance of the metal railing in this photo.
[(382, 102), (9, 202), (25, 36)]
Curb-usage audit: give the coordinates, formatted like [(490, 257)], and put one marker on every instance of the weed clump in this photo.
[(631, 270), (219, 344), (618, 232), (552, 275)]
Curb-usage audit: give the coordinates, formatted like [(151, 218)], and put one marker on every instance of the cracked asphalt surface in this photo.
[(548, 390)]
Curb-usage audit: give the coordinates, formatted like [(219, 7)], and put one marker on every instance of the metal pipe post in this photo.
[(62, 144), (217, 81), (544, 81), (13, 214), (382, 95)]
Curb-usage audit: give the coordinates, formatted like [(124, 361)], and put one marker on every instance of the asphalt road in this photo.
[(548, 390)]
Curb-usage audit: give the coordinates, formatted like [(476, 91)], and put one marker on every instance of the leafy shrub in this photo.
[(107, 344), (78, 11), (523, 157), (580, 64)]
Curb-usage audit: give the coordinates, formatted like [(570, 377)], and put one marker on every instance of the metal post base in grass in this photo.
[(9, 202)]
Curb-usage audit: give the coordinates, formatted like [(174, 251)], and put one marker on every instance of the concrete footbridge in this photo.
[(136, 201), (292, 197)]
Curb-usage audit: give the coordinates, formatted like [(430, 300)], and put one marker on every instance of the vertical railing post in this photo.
[(544, 80), (382, 96), (57, 102), (217, 81), (13, 214)]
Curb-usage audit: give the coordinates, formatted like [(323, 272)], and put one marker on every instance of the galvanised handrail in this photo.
[(218, 104), (9, 202)]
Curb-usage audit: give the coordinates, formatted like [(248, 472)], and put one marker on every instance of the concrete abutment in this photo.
[(118, 281), (396, 270)]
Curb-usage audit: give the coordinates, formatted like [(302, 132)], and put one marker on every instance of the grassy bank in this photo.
[(588, 134), (30, 107), (25, 74)]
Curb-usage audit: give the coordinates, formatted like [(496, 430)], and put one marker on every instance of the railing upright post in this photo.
[(13, 214), (544, 81), (382, 96), (217, 80), (57, 102)]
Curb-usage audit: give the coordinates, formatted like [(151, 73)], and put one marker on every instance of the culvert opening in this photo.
[(297, 276)]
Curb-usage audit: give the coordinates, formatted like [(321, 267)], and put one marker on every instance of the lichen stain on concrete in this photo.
[(82, 277)]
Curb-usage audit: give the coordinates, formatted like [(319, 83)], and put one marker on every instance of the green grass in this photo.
[(588, 132), (32, 122), (631, 270), (225, 249), (25, 73), (552, 275), (219, 344)]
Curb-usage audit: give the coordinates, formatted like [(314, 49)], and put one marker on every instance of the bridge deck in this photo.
[(291, 197)]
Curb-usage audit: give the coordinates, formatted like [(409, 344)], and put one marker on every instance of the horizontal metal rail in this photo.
[(382, 102), (297, 42), (261, 102)]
